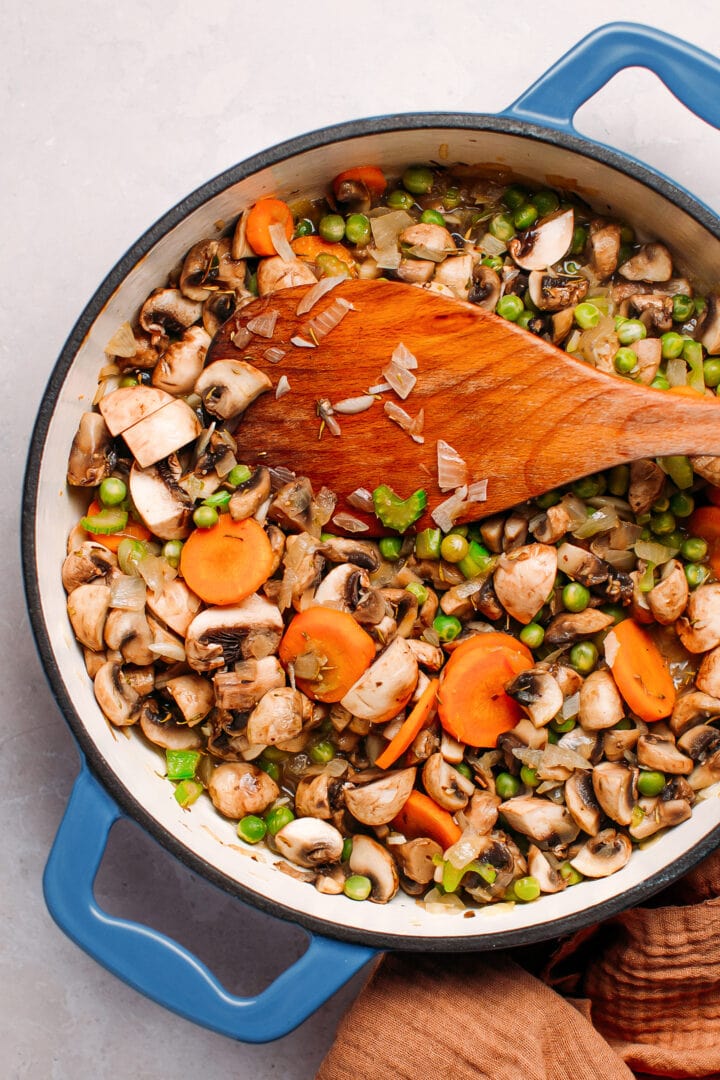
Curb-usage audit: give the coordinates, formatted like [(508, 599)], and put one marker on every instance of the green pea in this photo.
[(694, 549), (418, 179), (561, 727), (510, 307), (447, 627), (172, 550), (304, 227), (204, 517), (493, 261), (525, 216), (587, 316), (270, 767), (390, 547), (330, 266), (419, 591), (346, 849), (427, 544), (501, 227), (432, 217), (454, 548), (547, 499), (506, 785), (587, 487), (332, 228), (277, 818), (682, 504), (672, 345), (526, 888), (357, 229), (400, 200), (529, 776), (532, 635), (451, 198), (251, 829), (679, 469), (619, 480), (675, 539), (218, 499), (662, 524), (584, 657), (239, 474), (630, 331), (575, 597), (625, 361), (683, 308), (711, 371), (651, 782), (579, 240), (357, 887), (113, 491), (464, 769), (514, 197), (569, 874), (322, 752), (546, 202), (695, 574), (274, 753), (128, 380)]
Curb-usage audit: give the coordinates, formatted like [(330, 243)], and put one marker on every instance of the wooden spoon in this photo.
[(521, 413)]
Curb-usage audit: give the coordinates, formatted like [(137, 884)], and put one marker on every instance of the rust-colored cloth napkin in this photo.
[(636, 995)]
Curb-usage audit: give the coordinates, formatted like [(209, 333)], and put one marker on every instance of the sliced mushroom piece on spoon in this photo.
[(278, 273), (375, 862), (603, 854), (380, 801)]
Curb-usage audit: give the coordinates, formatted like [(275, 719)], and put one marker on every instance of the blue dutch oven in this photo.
[(535, 138)]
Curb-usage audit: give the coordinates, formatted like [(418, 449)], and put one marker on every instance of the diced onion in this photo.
[(387, 228), (264, 325), (452, 469), (352, 406), (127, 592), (122, 343), (156, 572), (361, 499), (321, 325), (386, 258), (676, 372), (402, 355), (400, 378), (302, 343), (601, 520), (283, 387), (464, 850), (477, 491), (274, 355), (570, 706), (241, 338), (653, 552), (405, 421), (611, 647), (349, 523), (168, 650), (445, 514), (490, 245), (280, 241), (316, 292), (379, 388)]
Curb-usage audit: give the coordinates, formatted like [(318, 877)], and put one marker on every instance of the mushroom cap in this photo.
[(182, 362), (175, 604), (168, 309), (387, 685), (655, 814), (308, 841), (652, 262), (378, 802), (415, 858), (227, 387), (87, 607), (115, 695), (615, 786), (163, 506), (88, 563), (238, 788), (448, 787), (601, 705), (545, 242), (524, 579), (699, 628), (539, 693), (661, 753), (603, 854), (376, 863), (553, 292), (692, 709), (572, 626), (456, 272), (667, 600), (278, 716), (548, 878), (128, 633), (582, 803), (278, 273), (709, 328), (700, 742), (193, 695), (214, 637), (165, 733), (90, 458), (545, 822)]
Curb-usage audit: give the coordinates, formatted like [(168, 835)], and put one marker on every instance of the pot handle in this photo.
[(159, 967), (690, 74)]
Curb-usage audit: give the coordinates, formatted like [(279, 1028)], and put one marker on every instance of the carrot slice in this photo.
[(369, 175), (134, 530), (335, 637), (227, 563), (267, 212), (639, 671), (411, 726), (421, 816), (309, 247), (472, 703), (489, 642), (705, 523)]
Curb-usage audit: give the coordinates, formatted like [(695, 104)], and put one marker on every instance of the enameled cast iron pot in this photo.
[(535, 137)]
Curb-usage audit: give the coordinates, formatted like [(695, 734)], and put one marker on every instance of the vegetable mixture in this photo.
[(470, 713)]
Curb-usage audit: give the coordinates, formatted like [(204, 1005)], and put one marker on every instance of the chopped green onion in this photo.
[(187, 792), (181, 764)]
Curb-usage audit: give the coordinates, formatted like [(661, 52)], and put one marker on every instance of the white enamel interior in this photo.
[(138, 767)]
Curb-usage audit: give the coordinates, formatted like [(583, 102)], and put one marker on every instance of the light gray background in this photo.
[(111, 113)]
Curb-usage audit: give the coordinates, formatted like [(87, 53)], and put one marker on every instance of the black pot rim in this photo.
[(95, 761)]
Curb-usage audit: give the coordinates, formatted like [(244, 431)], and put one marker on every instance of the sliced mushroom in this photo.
[(481, 813), (308, 841), (701, 743), (200, 270), (548, 878), (652, 262), (247, 499), (524, 579), (651, 815), (709, 328), (646, 483), (601, 705), (615, 788), (313, 796), (539, 694), (182, 362), (292, 507), (168, 311), (162, 504), (331, 881), (692, 709), (562, 323), (661, 753), (387, 685), (668, 598), (603, 854), (128, 633), (547, 823), (572, 626), (617, 743), (544, 243), (193, 696), (115, 695), (361, 553), (657, 311), (582, 803), (343, 588), (227, 387), (486, 287), (87, 607), (277, 273), (238, 788), (699, 627), (422, 238), (415, 271), (278, 716), (380, 801), (218, 637), (175, 604), (708, 468), (428, 656), (457, 274), (91, 563), (443, 783), (242, 688), (91, 457), (165, 733), (129, 405), (375, 862), (502, 856), (552, 292), (604, 238), (415, 859)]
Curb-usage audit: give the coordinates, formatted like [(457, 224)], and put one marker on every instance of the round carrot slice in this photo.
[(640, 672), (472, 704), (344, 651), (488, 642), (227, 563), (309, 247), (370, 175)]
